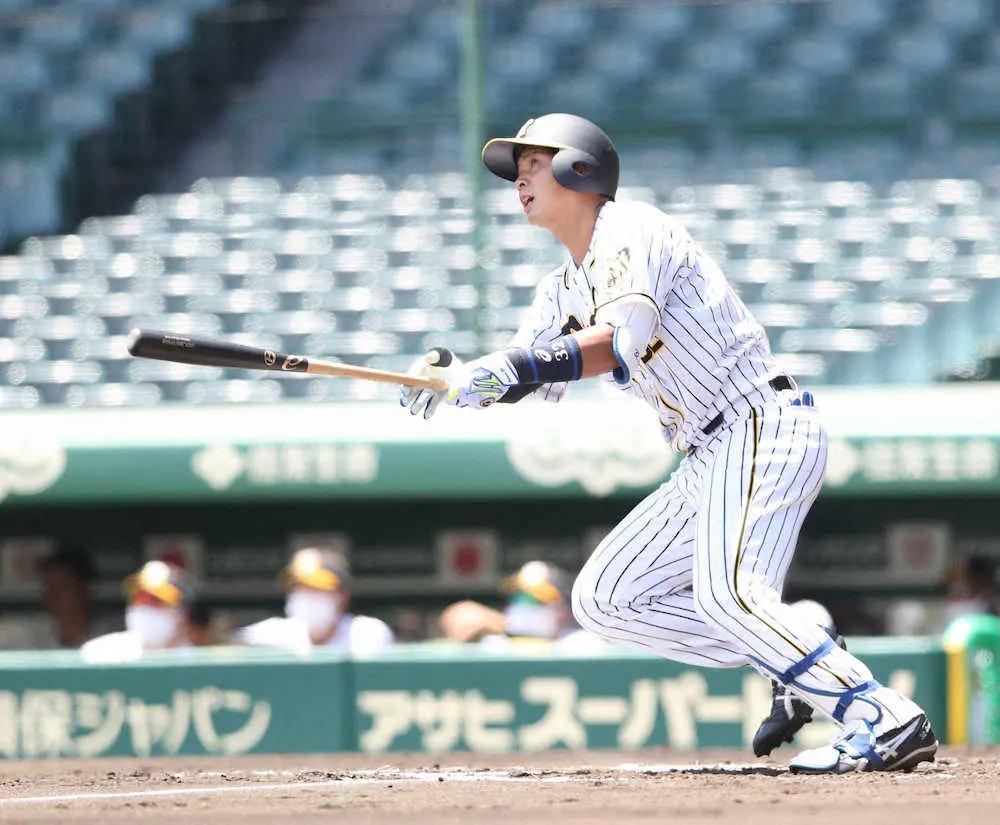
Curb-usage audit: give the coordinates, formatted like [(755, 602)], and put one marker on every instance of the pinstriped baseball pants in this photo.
[(694, 572)]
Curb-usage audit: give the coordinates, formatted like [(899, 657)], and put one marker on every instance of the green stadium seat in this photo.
[(972, 95), (108, 395), (922, 51), (957, 17), (856, 17), (155, 28), (22, 70), (234, 391), (824, 54), (20, 397), (662, 22), (57, 29)]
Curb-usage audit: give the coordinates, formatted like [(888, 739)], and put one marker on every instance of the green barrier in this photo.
[(221, 701), (430, 697), (322, 452), (437, 699), (972, 645)]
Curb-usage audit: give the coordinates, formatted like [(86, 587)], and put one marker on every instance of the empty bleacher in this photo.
[(839, 159), (853, 287)]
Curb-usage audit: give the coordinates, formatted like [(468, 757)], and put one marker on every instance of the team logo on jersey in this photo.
[(616, 268)]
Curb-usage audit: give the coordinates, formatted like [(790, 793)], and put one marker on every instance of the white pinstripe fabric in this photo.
[(694, 572)]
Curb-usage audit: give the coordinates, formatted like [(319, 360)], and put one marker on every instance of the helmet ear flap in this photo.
[(574, 169)]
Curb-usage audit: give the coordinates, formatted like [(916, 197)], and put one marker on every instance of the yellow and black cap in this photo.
[(538, 581), (320, 568), (585, 160), (158, 580)]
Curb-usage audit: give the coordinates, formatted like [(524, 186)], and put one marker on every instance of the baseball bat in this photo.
[(208, 352)]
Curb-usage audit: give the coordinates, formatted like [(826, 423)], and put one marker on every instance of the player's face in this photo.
[(539, 192)]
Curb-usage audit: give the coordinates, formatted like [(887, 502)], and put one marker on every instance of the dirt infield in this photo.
[(651, 786)]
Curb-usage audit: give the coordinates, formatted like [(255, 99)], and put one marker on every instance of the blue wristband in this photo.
[(559, 360)]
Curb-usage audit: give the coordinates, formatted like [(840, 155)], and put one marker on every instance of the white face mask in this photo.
[(319, 611), (538, 621), (155, 626)]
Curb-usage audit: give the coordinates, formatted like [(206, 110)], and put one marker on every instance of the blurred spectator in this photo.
[(67, 578), (159, 599), (537, 609), (972, 588), (203, 629), (318, 586)]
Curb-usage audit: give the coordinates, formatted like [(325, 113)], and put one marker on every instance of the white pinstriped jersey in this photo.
[(693, 347)]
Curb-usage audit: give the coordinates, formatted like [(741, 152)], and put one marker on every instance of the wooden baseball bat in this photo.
[(208, 352)]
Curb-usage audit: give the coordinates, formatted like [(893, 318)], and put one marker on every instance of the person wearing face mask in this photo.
[(537, 610), (158, 598), (318, 594)]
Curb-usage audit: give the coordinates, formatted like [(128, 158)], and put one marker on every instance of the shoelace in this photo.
[(856, 740)]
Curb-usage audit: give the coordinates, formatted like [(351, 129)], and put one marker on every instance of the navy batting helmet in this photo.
[(585, 159)]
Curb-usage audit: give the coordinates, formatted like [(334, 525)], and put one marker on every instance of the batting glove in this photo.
[(482, 382), (440, 362)]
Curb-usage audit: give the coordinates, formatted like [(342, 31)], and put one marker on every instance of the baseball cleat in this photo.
[(787, 717), (858, 749)]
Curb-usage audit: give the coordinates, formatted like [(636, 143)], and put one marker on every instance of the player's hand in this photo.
[(482, 382), (440, 362)]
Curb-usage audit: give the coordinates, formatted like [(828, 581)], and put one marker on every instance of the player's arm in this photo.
[(597, 349), (571, 357), (597, 354), (508, 375)]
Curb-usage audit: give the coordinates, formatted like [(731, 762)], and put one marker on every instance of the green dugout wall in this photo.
[(430, 698), (430, 511)]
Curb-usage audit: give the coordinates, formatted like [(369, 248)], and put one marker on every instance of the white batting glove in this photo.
[(440, 362), (482, 382)]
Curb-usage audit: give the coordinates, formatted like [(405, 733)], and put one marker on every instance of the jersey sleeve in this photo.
[(278, 631), (369, 636), (121, 646), (624, 281), (543, 324)]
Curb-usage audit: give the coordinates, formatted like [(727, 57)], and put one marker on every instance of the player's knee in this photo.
[(590, 611), (717, 601), (582, 603)]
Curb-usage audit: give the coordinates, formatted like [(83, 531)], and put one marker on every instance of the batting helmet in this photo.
[(542, 581), (318, 567), (585, 159), (164, 582)]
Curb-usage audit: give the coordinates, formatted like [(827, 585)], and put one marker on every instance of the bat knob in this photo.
[(444, 356), (132, 340)]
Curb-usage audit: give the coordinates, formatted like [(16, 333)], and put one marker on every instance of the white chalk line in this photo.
[(378, 778)]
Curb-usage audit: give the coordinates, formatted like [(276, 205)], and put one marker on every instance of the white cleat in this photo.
[(858, 749)]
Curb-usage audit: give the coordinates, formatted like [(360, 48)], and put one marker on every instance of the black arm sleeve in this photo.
[(517, 392)]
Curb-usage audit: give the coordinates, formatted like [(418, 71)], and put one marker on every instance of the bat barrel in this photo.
[(207, 352)]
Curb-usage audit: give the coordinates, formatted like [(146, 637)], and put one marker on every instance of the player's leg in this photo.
[(789, 714), (765, 473), (636, 586)]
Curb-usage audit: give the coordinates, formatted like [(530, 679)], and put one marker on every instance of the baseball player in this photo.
[(157, 616), (694, 572), (318, 584), (537, 610)]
